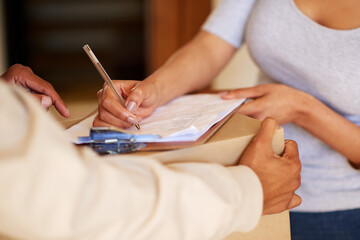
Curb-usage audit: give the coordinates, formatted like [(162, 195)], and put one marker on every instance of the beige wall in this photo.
[(240, 72), (2, 39)]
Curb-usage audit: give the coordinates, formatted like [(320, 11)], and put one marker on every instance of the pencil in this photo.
[(106, 77)]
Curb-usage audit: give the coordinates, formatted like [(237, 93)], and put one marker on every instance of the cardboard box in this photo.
[(225, 147)]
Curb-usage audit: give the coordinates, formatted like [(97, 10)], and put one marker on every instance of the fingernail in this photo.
[(131, 120), (223, 93), (46, 101), (131, 106), (134, 87), (67, 112)]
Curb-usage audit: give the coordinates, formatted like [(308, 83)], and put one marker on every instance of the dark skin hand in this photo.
[(279, 175), (39, 88)]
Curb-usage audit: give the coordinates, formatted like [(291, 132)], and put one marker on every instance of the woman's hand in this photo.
[(38, 87), (141, 98), (283, 103)]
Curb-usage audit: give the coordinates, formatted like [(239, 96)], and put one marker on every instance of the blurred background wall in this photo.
[(48, 35), (131, 38)]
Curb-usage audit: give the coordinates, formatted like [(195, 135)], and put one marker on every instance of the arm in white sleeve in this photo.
[(51, 190), (228, 20)]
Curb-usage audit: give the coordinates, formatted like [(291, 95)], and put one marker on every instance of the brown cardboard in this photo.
[(225, 147), (271, 227)]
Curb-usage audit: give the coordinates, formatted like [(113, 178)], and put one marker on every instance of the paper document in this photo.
[(185, 118)]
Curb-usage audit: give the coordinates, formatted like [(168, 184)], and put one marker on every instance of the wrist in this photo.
[(305, 109), (157, 88), (165, 89)]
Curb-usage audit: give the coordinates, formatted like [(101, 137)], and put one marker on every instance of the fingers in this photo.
[(285, 202), (252, 92), (254, 109), (58, 102), (24, 76), (291, 149), (39, 85), (106, 119), (112, 112), (279, 175), (295, 201)]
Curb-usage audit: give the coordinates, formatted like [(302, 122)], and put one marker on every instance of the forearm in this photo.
[(330, 127), (192, 67)]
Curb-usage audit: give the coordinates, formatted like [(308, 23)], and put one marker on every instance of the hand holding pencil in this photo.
[(123, 103), (108, 81)]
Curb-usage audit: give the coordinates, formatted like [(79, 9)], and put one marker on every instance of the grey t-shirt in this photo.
[(292, 49)]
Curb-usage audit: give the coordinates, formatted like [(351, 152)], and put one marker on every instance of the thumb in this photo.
[(291, 149), (44, 100), (266, 132), (295, 201)]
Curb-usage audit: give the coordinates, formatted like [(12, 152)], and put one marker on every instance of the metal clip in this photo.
[(114, 141)]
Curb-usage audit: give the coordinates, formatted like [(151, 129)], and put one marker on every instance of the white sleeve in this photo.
[(229, 19), (51, 190)]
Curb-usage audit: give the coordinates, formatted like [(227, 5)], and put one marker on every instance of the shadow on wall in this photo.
[(240, 72)]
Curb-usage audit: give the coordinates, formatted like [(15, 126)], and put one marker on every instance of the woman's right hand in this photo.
[(141, 98)]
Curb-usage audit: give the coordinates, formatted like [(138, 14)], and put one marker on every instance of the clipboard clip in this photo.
[(109, 140)]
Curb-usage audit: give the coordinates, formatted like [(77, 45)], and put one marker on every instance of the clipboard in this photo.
[(111, 140)]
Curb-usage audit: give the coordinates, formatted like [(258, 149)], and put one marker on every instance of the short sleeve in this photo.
[(228, 20)]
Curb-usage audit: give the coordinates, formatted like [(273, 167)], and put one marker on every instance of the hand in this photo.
[(41, 89), (279, 175), (140, 101), (278, 101)]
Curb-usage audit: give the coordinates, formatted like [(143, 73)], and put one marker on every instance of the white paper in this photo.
[(184, 119)]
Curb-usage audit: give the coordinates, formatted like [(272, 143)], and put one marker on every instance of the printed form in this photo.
[(185, 118)]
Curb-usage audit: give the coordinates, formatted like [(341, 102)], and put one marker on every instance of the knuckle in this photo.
[(138, 91), (106, 102), (269, 120), (27, 68), (48, 85), (257, 143), (295, 184), (17, 65), (100, 116), (296, 168), (258, 146)]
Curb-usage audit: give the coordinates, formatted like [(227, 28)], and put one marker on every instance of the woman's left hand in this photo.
[(283, 103)]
